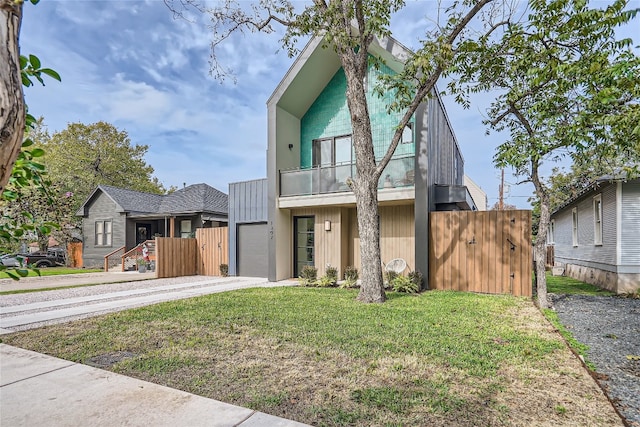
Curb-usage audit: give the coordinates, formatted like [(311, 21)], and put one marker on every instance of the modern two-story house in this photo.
[(597, 235), (310, 210)]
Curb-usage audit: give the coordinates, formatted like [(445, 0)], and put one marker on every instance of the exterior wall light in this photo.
[(327, 225)]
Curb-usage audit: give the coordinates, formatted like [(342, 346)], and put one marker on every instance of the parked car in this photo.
[(12, 260), (51, 258)]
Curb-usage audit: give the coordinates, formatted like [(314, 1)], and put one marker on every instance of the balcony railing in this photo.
[(333, 179)]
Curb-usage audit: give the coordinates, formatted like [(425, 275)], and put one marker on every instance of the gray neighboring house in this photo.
[(115, 217), (597, 235)]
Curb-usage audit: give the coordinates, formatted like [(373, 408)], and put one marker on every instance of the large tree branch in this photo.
[(427, 86)]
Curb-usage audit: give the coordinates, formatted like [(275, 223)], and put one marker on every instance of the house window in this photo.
[(551, 232), (185, 228), (335, 157), (597, 220), (574, 220), (407, 134), (103, 233)]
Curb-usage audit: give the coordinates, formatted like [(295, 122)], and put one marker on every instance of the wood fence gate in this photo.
[(488, 252), (187, 257)]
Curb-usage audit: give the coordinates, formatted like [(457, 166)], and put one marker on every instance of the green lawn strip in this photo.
[(567, 285), (576, 345), (53, 271), (317, 355)]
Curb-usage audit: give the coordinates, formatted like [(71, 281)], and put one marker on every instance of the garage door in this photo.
[(252, 250)]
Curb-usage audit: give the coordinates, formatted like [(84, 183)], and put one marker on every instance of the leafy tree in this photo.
[(349, 27), (102, 154), (569, 89)]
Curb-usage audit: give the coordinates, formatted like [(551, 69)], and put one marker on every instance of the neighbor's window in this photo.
[(597, 220), (185, 228), (574, 220), (103, 233), (551, 232)]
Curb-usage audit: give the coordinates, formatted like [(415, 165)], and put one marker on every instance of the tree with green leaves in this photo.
[(350, 27), (102, 154), (569, 89)]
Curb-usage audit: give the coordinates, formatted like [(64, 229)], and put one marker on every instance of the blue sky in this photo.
[(130, 63)]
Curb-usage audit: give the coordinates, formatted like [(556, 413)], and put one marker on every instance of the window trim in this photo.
[(597, 220), (574, 223), (104, 237), (551, 232)]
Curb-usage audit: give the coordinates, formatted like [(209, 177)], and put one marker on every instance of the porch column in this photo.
[(172, 226)]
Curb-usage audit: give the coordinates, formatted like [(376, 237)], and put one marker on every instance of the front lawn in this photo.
[(54, 271), (317, 356)]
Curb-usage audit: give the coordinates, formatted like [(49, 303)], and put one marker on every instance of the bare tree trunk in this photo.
[(365, 185), (540, 248), (12, 113)]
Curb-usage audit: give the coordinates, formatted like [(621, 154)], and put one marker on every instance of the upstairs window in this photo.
[(574, 220), (103, 233), (597, 220)]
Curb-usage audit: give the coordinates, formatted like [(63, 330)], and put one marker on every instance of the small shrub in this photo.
[(350, 277), (390, 276), (325, 282), (308, 275), (224, 270), (330, 277), (404, 284), (332, 273), (416, 278)]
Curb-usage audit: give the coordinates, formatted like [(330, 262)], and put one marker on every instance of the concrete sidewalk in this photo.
[(40, 390)]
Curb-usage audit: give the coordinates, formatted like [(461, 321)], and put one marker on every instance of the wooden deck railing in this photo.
[(112, 258), (131, 257)]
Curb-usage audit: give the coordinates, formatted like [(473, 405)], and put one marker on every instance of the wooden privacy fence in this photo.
[(488, 252), (187, 257)]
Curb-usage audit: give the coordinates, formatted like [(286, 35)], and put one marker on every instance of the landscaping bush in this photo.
[(330, 277), (416, 277), (350, 277), (404, 284), (224, 270), (308, 275), (389, 278)]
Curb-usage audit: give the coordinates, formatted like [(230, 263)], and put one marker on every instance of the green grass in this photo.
[(318, 356), (53, 271), (567, 285)]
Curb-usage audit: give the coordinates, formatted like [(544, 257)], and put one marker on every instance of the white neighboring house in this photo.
[(477, 194), (597, 235)]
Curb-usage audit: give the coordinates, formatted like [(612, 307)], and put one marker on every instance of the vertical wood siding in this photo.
[(487, 252), (397, 236), (213, 250), (176, 257)]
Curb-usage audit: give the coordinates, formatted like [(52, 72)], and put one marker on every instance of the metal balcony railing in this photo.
[(333, 179)]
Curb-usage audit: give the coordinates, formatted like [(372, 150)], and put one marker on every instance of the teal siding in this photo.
[(329, 116)]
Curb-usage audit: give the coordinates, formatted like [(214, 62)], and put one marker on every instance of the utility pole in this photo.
[(501, 197)]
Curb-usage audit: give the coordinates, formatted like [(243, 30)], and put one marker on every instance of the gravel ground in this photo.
[(610, 327)]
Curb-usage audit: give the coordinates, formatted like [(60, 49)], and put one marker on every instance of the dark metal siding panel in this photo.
[(247, 204), (253, 250), (444, 152), (630, 244), (102, 208)]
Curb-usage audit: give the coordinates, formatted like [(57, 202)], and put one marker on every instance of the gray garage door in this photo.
[(252, 250)]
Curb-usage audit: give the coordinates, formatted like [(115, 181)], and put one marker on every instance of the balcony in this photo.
[(318, 180)]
